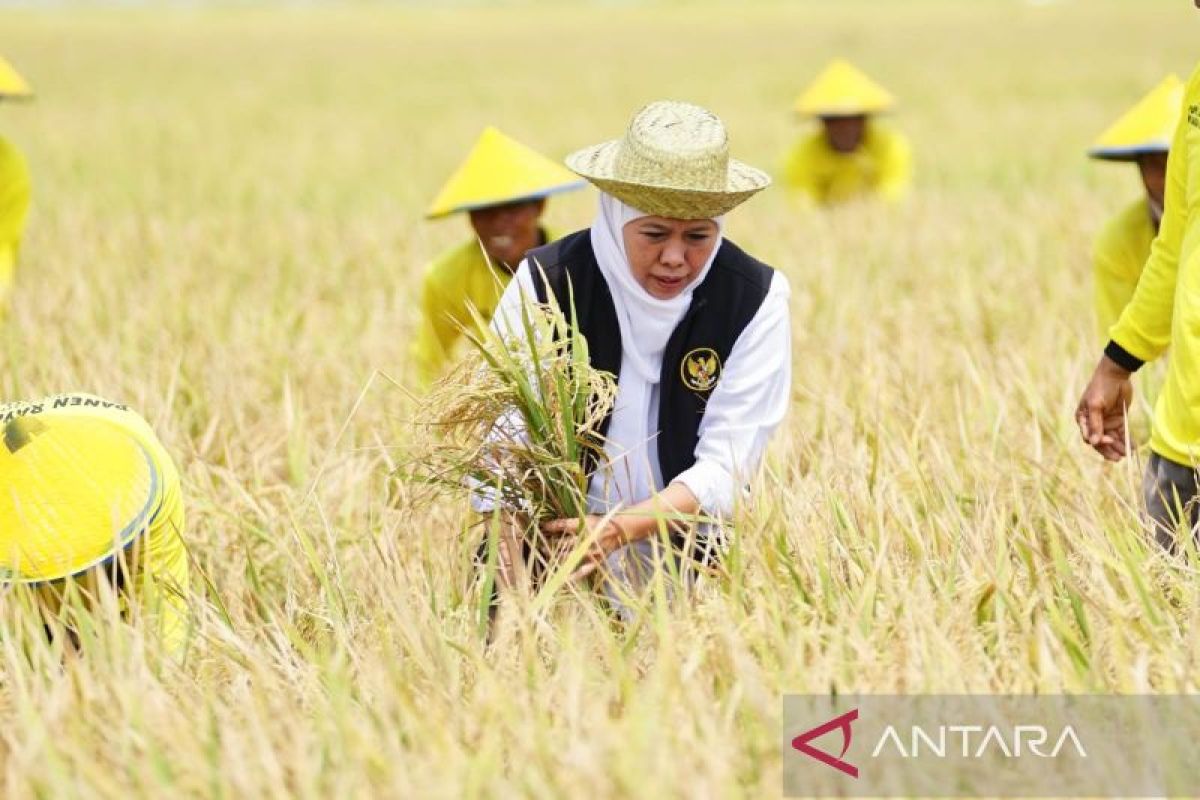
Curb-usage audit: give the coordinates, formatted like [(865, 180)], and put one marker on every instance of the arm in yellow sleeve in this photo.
[(799, 173), (7, 264), (895, 171), (1113, 284), (14, 208), (165, 573), (1144, 327), (437, 331)]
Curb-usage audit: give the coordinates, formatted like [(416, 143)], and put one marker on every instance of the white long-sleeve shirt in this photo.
[(744, 409)]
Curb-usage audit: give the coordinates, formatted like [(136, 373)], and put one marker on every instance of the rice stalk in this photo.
[(518, 420)]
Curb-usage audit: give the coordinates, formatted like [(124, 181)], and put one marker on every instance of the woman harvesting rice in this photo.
[(696, 331)]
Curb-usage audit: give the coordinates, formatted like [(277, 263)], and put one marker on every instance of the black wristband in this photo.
[(1124, 359)]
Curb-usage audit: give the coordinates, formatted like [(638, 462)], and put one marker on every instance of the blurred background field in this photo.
[(227, 234)]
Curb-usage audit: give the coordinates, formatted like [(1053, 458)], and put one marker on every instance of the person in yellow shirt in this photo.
[(502, 185), (1164, 311), (88, 494), (852, 154), (14, 189), (1142, 136)]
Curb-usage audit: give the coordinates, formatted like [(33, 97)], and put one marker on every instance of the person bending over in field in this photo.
[(1142, 136), (88, 496), (695, 330), (852, 155), (14, 189), (1164, 311), (502, 185)]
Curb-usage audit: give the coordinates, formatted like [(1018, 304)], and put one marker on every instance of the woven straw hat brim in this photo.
[(658, 195)]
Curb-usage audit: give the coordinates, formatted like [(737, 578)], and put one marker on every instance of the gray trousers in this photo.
[(630, 571), (630, 574), (1170, 491)]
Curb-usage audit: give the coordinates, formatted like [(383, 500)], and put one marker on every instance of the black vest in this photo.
[(722, 306)]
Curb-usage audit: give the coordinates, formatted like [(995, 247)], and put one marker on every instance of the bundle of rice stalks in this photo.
[(519, 418)]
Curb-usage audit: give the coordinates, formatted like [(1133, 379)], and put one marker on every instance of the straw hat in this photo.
[(12, 85), (1146, 128), (843, 90), (73, 490), (500, 170), (672, 162)]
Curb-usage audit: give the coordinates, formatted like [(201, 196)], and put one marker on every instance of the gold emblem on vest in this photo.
[(700, 369)]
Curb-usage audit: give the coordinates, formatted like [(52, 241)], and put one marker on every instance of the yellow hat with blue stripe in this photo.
[(500, 170), (74, 492), (1146, 128), (11, 82), (843, 90)]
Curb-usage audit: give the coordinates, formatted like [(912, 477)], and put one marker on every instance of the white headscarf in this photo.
[(646, 321), (632, 472)]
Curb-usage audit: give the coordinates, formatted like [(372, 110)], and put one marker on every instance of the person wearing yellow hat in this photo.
[(14, 188), (1142, 135), (1163, 312), (852, 154), (502, 185), (695, 329), (88, 494)]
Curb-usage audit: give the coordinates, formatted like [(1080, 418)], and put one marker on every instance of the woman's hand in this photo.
[(510, 560), (607, 535)]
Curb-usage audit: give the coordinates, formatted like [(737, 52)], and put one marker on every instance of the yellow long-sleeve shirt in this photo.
[(14, 207), (1165, 309), (880, 166), (1119, 254), (42, 489), (456, 280)]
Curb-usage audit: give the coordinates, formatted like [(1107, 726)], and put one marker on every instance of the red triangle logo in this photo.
[(802, 741)]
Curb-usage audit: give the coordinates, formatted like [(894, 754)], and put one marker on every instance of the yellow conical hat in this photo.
[(73, 491), (500, 170), (842, 89), (1145, 128), (11, 82)]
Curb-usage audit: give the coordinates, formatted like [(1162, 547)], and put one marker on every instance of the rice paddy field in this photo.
[(227, 234)]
